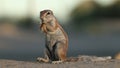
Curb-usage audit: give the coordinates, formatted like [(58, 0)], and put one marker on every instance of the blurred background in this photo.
[(93, 27)]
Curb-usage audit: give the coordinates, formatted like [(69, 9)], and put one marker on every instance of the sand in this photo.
[(81, 62)]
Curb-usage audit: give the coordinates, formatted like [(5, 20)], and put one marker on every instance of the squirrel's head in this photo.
[(46, 16)]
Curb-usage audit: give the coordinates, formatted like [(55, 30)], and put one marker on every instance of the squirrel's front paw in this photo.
[(39, 59)]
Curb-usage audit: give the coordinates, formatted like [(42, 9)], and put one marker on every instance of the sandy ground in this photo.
[(81, 63)]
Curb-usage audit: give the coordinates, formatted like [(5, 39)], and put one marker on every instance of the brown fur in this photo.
[(56, 38)]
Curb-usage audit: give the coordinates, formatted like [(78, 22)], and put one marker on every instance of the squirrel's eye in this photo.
[(48, 13)]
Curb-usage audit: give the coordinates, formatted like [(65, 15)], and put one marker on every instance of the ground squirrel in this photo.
[(56, 41)]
